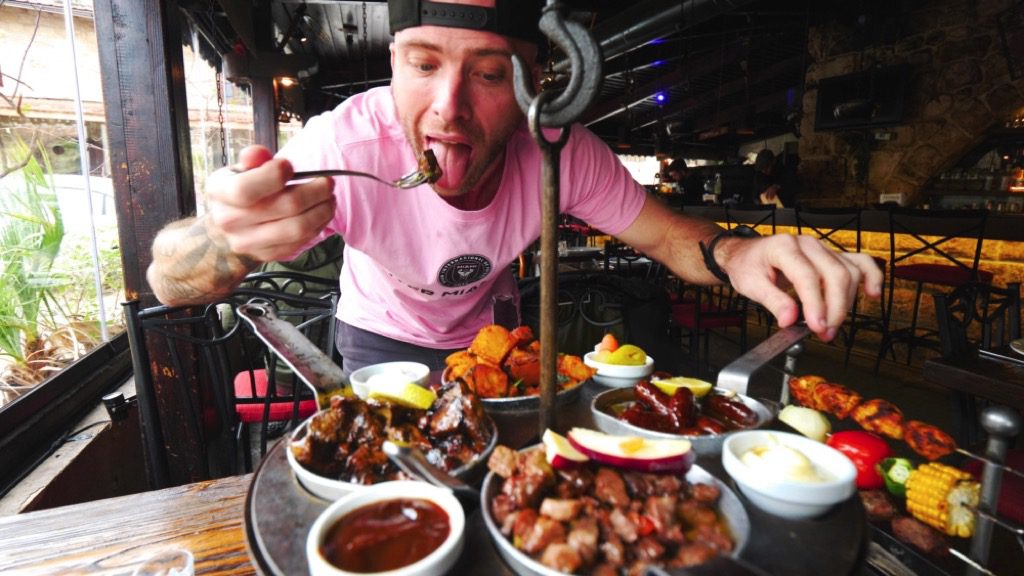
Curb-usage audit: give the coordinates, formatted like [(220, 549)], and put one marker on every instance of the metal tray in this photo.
[(704, 444)]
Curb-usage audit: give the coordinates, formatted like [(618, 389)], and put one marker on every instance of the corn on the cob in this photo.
[(943, 497)]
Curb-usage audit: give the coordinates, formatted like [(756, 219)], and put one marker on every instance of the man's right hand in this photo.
[(252, 216), (250, 206)]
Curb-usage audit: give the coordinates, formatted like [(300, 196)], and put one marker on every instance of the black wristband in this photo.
[(708, 250)]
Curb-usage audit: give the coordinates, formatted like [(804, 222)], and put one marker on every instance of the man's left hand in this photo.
[(825, 281)]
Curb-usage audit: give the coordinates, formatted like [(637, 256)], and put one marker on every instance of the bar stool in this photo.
[(930, 231), (975, 316), (825, 223)]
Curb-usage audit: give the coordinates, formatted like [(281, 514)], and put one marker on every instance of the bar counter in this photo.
[(1002, 251), (1000, 226)]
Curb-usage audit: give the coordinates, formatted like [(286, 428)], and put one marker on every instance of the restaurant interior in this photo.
[(897, 130)]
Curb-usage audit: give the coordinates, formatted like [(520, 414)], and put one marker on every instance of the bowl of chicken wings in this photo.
[(602, 519), (502, 367), (339, 449)]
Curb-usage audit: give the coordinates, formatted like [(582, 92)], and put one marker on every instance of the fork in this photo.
[(427, 172)]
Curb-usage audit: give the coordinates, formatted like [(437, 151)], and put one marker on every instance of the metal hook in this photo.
[(535, 119), (584, 74)]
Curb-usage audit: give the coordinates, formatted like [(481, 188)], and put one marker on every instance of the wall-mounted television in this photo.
[(869, 99)]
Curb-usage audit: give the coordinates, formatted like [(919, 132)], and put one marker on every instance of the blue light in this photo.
[(659, 97), (657, 63)]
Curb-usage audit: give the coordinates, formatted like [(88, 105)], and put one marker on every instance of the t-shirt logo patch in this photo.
[(464, 270)]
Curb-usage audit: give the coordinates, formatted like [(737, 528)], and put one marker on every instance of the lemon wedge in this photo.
[(400, 391), (670, 385), (627, 355)]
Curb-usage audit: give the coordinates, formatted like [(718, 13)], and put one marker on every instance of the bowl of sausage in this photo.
[(667, 407)]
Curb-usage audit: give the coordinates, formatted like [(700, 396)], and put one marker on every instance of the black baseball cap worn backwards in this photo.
[(513, 18)]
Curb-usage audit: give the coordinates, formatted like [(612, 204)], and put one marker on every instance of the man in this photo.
[(687, 182), (423, 267)]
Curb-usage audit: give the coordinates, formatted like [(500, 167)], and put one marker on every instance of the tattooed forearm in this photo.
[(191, 265)]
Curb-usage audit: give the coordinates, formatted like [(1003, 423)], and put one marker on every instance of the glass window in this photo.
[(58, 228)]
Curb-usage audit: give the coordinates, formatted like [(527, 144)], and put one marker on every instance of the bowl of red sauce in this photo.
[(402, 528)]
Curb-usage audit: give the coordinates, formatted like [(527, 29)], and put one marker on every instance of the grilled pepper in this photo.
[(865, 450), (943, 497), (895, 472)]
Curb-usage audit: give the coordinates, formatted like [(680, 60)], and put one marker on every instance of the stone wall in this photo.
[(960, 87)]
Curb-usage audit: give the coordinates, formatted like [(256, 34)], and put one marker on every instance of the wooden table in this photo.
[(114, 535)]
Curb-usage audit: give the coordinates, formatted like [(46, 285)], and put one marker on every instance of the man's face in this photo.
[(454, 92)]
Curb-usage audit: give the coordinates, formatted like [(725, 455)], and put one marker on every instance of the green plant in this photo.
[(31, 232)]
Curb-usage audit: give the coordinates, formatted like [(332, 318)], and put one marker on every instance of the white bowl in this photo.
[(438, 562), (617, 375), (332, 489), (321, 486), (791, 499), (413, 371)]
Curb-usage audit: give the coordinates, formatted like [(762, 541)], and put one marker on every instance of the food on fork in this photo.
[(429, 167)]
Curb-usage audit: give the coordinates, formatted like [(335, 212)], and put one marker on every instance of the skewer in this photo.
[(999, 465), (967, 560), (1012, 527)]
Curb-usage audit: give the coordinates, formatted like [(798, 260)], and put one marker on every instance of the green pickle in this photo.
[(895, 472)]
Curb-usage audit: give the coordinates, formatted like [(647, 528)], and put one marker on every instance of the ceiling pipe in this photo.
[(651, 20)]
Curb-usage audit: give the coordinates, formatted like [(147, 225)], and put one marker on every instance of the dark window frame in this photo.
[(33, 425)]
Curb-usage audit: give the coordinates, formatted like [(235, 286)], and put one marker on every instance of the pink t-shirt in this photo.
[(417, 269)]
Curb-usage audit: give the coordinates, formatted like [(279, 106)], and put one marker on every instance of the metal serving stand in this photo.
[(279, 511)]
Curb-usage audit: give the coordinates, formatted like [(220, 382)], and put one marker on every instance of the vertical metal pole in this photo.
[(1002, 424), (549, 289), (585, 57), (789, 370), (551, 152)]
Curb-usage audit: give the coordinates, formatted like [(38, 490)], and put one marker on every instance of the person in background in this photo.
[(423, 267), (766, 186), (687, 181)]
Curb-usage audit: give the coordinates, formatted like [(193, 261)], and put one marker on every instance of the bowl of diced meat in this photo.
[(601, 519), (338, 449)]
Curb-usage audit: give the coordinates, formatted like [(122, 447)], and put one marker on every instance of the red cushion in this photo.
[(254, 412), (1011, 492), (946, 274)]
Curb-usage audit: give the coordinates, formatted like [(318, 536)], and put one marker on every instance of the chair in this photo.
[(927, 257), (623, 260), (253, 404), (704, 312), (221, 373), (827, 224), (591, 305), (753, 215), (975, 316)]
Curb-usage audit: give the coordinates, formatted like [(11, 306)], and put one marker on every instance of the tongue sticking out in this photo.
[(454, 162)]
